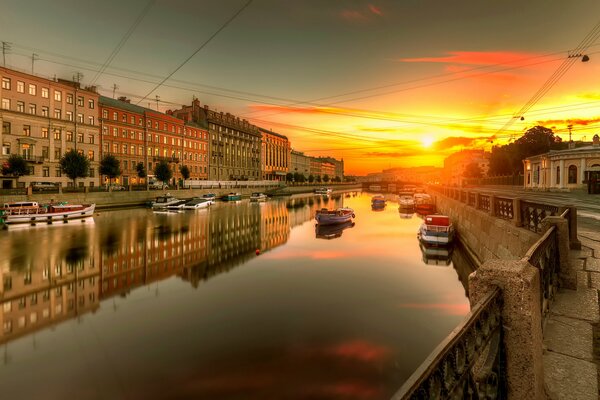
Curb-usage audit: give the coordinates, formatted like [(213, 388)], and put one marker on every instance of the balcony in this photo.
[(34, 159)]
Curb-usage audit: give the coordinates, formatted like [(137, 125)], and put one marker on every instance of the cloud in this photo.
[(394, 154), (476, 58), (570, 121), (361, 16), (453, 141), (375, 10)]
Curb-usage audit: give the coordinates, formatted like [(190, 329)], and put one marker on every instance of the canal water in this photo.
[(239, 301)]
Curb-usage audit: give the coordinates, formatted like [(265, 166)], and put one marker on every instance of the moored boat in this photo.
[(424, 203), (378, 202), (30, 212), (210, 197), (406, 200), (337, 216), (436, 230), (231, 196), (164, 201), (258, 197), (323, 190), (178, 205), (197, 203)]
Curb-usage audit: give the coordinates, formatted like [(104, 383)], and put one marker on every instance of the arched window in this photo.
[(572, 174), (557, 175)]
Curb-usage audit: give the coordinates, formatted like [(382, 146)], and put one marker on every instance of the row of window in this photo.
[(165, 127), (57, 133), (6, 105), (45, 92), (140, 137)]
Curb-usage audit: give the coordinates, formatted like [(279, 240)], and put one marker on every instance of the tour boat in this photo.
[(30, 212), (258, 197), (323, 190), (436, 230), (332, 231), (338, 216), (211, 197), (424, 203), (196, 203), (231, 197), (164, 201), (378, 202)]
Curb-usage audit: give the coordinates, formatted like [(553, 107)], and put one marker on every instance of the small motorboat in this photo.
[(325, 191), (424, 204), (210, 197), (436, 230), (337, 216), (177, 205), (197, 203), (164, 201), (231, 197), (406, 201), (258, 197), (378, 202)]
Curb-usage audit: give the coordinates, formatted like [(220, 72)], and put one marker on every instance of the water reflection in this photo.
[(305, 319), (332, 231), (436, 255)]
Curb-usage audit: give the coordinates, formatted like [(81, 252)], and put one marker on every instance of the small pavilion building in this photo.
[(563, 170)]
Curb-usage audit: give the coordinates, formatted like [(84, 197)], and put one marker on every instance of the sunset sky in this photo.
[(380, 83)]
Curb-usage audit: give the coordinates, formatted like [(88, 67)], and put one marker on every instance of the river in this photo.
[(239, 301)]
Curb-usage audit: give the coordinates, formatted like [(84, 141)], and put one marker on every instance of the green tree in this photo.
[(311, 179), (75, 165), (141, 170), (472, 170), (15, 166), (289, 177), (318, 178), (298, 177), (163, 172), (110, 166), (185, 172), (325, 178)]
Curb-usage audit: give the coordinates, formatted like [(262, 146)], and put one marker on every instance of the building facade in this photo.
[(275, 155), (234, 144), (42, 119), (299, 163), (338, 167), (574, 168), (455, 165), (135, 134)]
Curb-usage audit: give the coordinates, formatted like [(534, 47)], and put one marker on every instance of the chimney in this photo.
[(596, 141), (125, 99)]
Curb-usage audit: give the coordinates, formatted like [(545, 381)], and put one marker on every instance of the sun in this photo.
[(427, 141)]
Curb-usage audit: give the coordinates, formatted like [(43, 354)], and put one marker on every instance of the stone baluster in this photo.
[(567, 275), (517, 217)]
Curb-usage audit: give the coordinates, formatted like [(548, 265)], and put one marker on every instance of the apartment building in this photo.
[(275, 155), (234, 144), (299, 163), (135, 134), (41, 120)]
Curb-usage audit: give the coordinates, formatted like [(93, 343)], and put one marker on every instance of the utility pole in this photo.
[(157, 98), (115, 87), (5, 49), (570, 126), (33, 58)]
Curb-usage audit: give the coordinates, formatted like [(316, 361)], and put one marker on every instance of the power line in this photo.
[(198, 49)]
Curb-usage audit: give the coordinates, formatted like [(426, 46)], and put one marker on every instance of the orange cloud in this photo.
[(570, 121), (359, 350), (476, 58), (353, 16), (375, 10)]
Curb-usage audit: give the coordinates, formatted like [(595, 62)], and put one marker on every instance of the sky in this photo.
[(381, 84)]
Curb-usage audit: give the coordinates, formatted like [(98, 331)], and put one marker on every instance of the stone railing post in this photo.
[(492, 205), (521, 321), (517, 217), (567, 275), (477, 201), (574, 242)]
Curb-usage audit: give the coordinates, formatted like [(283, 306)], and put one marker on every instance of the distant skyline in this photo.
[(379, 83)]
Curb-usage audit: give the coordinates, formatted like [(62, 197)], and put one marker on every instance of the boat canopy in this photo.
[(438, 220)]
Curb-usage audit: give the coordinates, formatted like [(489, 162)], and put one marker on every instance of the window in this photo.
[(80, 138), (57, 113), (80, 118), (91, 154), (6, 83), (132, 120), (124, 149), (91, 139), (45, 92), (115, 132), (69, 98), (106, 147), (92, 172), (6, 104), (6, 128), (57, 95), (32, 89), (69, 115), (69, 136), (20, 106), (57, 134), (26, 130), (115, 116), (45, 172), (557, 175), (105, 114), (32, 109), (572, 174), (80, 101), (20, 87), (105, 130), (124, 119), (91, 103), (115, 148), (45, 133), (58, 171), (45, 111), (45, 152), (6, 149), (91, 120)]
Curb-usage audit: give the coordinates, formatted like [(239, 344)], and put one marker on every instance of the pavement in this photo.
[(572, 329)]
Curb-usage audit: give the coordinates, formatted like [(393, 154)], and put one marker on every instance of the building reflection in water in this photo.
[(49, 274)]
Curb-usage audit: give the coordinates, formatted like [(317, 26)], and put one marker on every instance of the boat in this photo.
[(323, 190), (258, 197), (197, 203), (164, 201), (337, 216), (231, 197), (378, 202), (424, 203), (332, 231), (178, 205), (436, 230), (31, 212), (406, 201), (406, 214), (210, 197)]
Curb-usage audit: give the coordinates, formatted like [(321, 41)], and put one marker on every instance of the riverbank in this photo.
[(120, 199)]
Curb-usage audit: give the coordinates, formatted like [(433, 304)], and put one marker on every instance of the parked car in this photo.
[(115, 187), (41, 186), (158, 185)]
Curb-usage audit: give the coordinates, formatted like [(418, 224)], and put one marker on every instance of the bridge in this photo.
[(534, 300)]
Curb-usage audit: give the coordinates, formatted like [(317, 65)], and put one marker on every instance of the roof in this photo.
[(272, 133), (123, 105)]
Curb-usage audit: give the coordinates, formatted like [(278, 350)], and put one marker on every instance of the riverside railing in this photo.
[(469, 363)]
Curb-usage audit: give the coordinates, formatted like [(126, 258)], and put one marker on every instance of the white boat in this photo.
[(164, 201), (406, 201), (177, 205), (323, 190), (197, 203), (30, 212), (211, 197), (337, 216), (436, 230), (258, 197)]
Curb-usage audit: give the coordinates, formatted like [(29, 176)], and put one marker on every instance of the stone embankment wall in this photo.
[(487, 236)]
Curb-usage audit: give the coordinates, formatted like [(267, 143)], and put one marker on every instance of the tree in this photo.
[(141, 170), (318, 178), (75, 165), (110, 166), (298, 177), (325, 178), (472, 170), (185, 172), (15, 166), (311, 179), (289, 177), (163, 172)]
